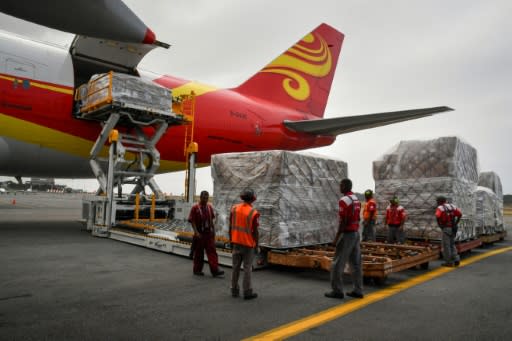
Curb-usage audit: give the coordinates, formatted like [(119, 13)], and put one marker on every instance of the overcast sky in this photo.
[(396, 55)]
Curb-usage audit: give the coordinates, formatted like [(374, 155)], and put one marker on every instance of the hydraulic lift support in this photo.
[(132, 132)]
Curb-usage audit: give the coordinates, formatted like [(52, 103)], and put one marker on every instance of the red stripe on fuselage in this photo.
[(45, 107)]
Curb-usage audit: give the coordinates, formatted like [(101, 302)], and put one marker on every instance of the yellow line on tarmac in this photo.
[(315, 320)]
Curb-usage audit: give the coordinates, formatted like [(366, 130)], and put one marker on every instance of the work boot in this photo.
[(457, 263), (219, 273), (199, 273), (355, 294), (249, 295), (448, 265), (334, 294), (235, 292)]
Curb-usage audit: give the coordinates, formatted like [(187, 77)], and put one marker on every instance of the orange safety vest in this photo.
[(366, 211), (241, 224)]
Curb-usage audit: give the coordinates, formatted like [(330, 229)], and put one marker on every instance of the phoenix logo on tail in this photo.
[(304, 73), (301, 58)]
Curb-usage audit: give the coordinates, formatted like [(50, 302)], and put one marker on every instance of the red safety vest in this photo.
[(446, 214), (350, 212), (242, 216), (395, 215)]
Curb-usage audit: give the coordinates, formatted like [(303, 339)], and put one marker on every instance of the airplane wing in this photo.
[(342, 125), (106, 19), (109, 36)]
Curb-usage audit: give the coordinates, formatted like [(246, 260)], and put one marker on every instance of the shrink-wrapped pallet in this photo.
[(486, 216), (297, 194), (127, 91), (492, 182), (419, 171)]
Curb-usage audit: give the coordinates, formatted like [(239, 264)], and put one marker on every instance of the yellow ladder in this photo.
[(187, 108)]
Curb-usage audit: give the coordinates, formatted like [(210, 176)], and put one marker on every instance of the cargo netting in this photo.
[(297, 194)]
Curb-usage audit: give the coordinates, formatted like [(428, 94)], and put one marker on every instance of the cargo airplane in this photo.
[(280, 107)]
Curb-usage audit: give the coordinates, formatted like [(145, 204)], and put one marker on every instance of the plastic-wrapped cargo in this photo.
[(489, 203), (492, 181), (127, 91), (419, 171), (297, 194), (487, 216)]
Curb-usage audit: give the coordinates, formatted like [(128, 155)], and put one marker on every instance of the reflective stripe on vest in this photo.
[(447, 215), (241, 225)]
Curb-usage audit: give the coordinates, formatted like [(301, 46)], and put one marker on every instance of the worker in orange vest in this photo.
[(244, 238), (395, 219), (369, 216), (448, 217)]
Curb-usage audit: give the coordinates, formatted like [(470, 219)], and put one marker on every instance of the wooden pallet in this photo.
[(461, 246), (492, 238), (379, 259)]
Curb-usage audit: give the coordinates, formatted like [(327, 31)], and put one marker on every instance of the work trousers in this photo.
[(348, 249), (395, 235), (205, 242), (245, 255), (450, 254), (369, 231)]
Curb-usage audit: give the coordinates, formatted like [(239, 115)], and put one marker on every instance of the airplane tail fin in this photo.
[(301, 77)]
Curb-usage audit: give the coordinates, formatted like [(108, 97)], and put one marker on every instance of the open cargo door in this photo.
[(93, 55)]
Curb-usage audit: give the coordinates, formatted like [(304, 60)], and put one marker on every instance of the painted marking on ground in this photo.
[(315, 320)]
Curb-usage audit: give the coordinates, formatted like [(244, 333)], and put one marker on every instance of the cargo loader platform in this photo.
[(164, 236)]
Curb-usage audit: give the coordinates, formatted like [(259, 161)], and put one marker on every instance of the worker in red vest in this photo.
[(448, 217), (201, 217), (244, 238), (369, 216), (395, 219), (347, 242)]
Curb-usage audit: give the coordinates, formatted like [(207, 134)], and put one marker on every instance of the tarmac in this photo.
[(57, 282)]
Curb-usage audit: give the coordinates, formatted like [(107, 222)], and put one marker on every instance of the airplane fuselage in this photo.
[(39, 136)]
